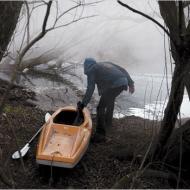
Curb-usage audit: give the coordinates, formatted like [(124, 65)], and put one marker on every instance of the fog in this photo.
[(114, 34)]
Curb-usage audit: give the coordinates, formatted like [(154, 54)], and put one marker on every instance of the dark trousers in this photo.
[(105, 109)]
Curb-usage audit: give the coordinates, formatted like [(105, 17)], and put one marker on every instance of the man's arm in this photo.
[(89, 90)]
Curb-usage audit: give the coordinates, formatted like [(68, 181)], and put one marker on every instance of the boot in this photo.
[(100, 135)]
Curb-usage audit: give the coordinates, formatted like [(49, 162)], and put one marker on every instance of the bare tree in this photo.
[(9, 13), (25, 47), (179, 34)]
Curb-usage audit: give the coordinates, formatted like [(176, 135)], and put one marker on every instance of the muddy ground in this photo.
[(102, 165)]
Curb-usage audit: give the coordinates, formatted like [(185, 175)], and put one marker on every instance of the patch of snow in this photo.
[(155, 110)]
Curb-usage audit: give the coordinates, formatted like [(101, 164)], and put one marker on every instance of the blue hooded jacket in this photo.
[(106, 75)]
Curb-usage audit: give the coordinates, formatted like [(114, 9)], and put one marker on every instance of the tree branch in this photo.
[(22, 54), (186, 3), (148, 17), (39, 36), (46, 17), (69, 23), (72, 8), (28, 21)]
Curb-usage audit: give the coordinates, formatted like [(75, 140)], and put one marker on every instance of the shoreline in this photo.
[(27, 119), (102, 165)]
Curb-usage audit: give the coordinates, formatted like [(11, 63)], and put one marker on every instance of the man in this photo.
[(111, 80)]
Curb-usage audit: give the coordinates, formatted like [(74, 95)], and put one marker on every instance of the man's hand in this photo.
[(131, 89), (80, 105)]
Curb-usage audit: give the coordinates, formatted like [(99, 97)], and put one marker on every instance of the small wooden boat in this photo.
[(64, 138)]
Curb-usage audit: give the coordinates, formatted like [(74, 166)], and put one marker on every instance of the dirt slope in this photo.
[(102, 165)]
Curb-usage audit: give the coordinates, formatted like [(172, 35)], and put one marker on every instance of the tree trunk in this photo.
[(9, 13), (177, 150), (175, 21), (187, 79), (171, 111)]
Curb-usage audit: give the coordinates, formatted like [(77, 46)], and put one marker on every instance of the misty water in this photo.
[(116, 35), (148, 101)]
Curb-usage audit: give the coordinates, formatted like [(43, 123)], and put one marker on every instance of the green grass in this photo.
[(8, 109)]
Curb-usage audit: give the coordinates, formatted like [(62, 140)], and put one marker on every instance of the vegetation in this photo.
[(165, 157), (173, 14)]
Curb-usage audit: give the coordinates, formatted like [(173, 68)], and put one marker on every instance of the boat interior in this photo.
[(61, 140), (69, 117)]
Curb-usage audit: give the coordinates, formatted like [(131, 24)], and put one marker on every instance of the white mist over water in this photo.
[(155, 110), (116, 35), (148, 101)]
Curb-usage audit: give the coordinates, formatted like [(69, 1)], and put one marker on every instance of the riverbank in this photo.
[(102, 165)]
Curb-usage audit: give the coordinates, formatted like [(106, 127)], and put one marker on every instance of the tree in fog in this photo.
[(178, 30), (172, 148), (173, 13), (9, 14), (9, 18), (28, 42)]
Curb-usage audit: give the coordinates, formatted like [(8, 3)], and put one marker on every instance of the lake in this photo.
[(148, 101)]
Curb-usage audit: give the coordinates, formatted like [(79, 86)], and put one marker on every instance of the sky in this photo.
[(114, 34)]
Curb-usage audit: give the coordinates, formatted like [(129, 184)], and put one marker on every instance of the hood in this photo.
[(88, 65)]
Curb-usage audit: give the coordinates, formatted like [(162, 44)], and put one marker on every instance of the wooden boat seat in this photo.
[(61, 141)]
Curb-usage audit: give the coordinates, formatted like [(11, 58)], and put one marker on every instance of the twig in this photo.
[(28, 22), (180, 155), (22, 54), (39, 36), (144, 104), (148, 17), (69, 23)]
